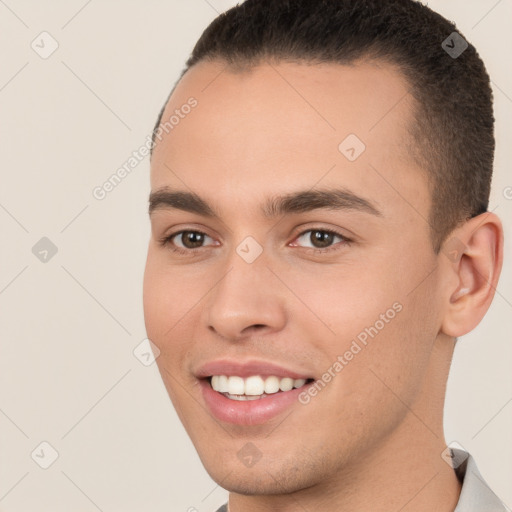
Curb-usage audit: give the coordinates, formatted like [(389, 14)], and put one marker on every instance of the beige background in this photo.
[(68, 327)]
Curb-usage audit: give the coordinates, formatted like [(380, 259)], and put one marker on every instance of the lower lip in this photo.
[(248, 412)]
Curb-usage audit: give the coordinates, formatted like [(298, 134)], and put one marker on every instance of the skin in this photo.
[(372, 438)]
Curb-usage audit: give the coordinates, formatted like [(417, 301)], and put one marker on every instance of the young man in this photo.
[(320, 238)]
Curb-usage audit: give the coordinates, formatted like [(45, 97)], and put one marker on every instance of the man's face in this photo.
[(289, 292)]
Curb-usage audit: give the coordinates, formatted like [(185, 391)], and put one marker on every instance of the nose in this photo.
[(246, 300)]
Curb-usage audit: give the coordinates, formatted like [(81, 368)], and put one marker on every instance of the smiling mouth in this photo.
[(254, 387)]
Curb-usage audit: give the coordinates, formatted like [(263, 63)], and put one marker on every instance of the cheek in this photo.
[(166, 302), (372, 332), (168, 296), (157, 300), (339, 302)]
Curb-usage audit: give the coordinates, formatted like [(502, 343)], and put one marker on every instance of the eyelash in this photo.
[(167, 241)]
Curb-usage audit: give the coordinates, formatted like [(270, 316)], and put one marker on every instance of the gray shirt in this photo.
[(475, 496)]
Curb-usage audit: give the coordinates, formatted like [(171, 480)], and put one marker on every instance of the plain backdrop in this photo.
[(69, 325)]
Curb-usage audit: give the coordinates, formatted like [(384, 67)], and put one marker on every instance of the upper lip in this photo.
[(247, 369)]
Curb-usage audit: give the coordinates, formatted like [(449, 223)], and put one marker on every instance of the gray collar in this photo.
[(476, 495)]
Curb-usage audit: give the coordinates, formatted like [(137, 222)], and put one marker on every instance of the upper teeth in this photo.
[(254, 385)]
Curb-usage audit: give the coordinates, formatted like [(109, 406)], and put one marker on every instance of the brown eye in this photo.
[(189, 239), (319, 239)]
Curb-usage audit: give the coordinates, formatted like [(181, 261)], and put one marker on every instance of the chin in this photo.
[(251, 483), (264, 478)]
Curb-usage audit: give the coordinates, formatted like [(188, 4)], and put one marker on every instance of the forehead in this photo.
[(285, 126)]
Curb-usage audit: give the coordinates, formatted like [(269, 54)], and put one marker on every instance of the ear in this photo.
[(475, 256)]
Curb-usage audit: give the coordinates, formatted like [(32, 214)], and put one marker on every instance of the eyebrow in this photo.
[(294, 202)]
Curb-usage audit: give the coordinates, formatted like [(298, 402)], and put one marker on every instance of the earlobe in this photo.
[(476, 270)]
